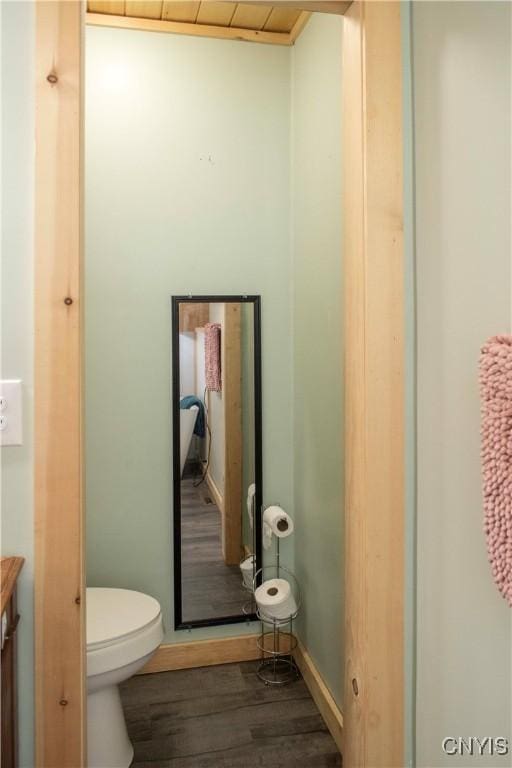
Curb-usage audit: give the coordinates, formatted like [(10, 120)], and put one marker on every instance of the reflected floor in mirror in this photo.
[(224, 717), (210, 587)]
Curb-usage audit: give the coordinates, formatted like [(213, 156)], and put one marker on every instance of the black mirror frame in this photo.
[(258, 455)]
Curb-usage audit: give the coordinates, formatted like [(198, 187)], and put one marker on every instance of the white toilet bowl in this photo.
[(124, 629)]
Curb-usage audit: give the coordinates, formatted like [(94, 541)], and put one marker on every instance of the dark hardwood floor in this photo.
[(224, 717), (210, 588)]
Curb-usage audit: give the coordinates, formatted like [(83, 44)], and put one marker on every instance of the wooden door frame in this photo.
[(374, 371), (374, 387), (60, 686), (232, 549)]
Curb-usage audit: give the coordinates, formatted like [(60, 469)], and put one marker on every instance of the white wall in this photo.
[(462, 146), (187, 344), (17, 26)]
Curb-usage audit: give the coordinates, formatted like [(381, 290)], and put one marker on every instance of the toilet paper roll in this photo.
[(278, 521), (275, 599), (247, 568)]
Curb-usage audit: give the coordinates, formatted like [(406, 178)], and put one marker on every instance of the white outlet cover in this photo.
[(11, 417)]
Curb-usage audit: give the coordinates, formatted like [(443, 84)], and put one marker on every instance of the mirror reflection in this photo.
[(217, 441)]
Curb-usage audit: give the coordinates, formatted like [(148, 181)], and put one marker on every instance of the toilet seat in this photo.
[(122, 627)]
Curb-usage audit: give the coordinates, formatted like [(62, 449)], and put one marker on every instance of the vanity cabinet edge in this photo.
[(10, 568)]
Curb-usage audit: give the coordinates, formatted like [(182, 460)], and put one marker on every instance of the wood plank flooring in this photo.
[(224, 717), (210, 588)]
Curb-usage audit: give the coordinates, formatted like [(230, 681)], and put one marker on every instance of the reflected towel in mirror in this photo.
[(200, 425), (212, 357)]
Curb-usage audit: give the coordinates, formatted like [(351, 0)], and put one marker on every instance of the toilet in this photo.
[(124, 629)]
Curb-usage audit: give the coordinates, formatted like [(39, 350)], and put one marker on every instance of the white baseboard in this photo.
[(217, 496)]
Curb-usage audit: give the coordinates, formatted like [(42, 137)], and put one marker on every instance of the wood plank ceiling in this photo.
[(256, 23)]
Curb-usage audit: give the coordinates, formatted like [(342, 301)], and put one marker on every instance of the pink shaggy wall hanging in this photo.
[(496, 396)]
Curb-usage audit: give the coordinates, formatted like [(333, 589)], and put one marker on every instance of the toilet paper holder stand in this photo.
[(277, 641)]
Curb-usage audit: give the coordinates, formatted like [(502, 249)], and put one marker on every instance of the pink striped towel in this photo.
[(496, 397), (212, 357)]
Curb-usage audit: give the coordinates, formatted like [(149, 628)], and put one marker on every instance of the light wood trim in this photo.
[(251, 16), (233, 449), (354, 366), (282, 19), (148, 9), (315, 6), (193, 316), (203, 653), (10, 568), (181, 28), (216, 14), (320, 694), (60, 689), (180, 11), (299, 25), (217, 496), (107, 6), (374, 386)]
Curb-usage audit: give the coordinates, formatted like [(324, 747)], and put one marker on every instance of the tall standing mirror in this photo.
[(217, 461)]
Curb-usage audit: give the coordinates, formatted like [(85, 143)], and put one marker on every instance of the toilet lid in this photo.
[(112, 614)]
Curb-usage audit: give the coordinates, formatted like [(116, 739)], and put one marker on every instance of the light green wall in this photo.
[(317, 348), (17, 29), (462, 121), (187, 191)]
